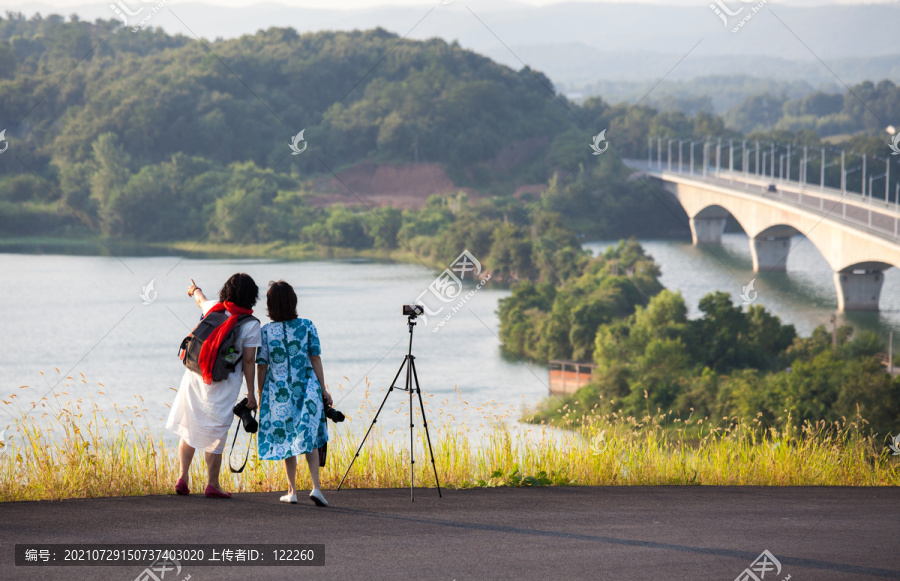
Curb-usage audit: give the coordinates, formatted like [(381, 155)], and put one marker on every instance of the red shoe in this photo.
[(182, 488), (215, 492)]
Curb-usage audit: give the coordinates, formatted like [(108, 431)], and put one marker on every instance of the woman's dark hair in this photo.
[(240, 290), (281, 301)]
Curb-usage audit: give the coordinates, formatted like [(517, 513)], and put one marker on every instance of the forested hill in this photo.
[(155, 137), (359, 95), (152, 137)]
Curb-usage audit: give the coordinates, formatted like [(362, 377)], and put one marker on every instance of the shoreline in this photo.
[(81, 246)]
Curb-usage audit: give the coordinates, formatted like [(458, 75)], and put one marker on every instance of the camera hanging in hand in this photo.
[(246, 415)]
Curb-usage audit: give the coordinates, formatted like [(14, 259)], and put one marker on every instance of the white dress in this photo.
[(201, 413)]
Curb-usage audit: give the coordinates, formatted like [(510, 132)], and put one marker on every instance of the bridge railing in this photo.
[(754, 170), (778, 162)]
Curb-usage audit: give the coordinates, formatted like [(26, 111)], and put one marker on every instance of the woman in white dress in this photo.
[(202, 411)]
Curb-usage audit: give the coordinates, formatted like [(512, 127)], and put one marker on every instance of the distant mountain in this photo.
[(712, 94), (614, 49), (830, 32), (577, 65)]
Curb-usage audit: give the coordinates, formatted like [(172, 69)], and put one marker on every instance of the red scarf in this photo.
[(214, 341)]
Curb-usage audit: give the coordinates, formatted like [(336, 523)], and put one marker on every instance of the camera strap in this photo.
[(237, 431)]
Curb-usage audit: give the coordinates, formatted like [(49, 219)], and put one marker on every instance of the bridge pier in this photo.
[(858, 252), (707, 230), (770, 253), (859, 290)]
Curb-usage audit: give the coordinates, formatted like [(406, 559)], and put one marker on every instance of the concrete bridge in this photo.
[(857, 236)]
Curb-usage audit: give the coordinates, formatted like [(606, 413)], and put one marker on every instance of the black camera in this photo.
[(246, 414), (334, 415), (413, 310)]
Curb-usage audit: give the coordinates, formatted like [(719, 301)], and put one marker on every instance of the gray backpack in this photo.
[(229, 352)]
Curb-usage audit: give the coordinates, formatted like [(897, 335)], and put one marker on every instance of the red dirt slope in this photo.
[(402, 186)]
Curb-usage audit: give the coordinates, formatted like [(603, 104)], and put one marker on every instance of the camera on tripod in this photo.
[(413, 310), (411, 387)]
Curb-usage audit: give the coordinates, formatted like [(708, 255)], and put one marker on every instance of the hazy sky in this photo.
[(351, 4)]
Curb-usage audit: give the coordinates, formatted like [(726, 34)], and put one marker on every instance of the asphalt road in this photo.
[(621, 533)]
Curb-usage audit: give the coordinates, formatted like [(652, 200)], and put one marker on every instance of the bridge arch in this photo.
[(857, 257), (770, 240)]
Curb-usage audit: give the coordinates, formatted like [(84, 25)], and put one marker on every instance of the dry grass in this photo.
[(68, 447)]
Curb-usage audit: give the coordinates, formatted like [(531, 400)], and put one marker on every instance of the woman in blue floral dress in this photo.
[(292, 389)]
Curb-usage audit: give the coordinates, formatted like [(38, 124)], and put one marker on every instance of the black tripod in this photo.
[(410, 362)]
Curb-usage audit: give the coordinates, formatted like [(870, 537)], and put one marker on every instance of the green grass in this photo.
[(68, 446)]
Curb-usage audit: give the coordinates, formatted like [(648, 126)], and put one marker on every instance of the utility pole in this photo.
[(757, 157), (669, 156), (745, 159), (843, 175), (731, 158), (805, 163), (772, 164), (692, 156), (822, 177), (834, 333), (788, 164), (863, 186), (891, 353), (705, 156), (718, 150)]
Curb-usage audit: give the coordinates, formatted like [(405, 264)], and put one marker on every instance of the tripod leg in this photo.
[(374, 420), (412, 453), (412, 368)]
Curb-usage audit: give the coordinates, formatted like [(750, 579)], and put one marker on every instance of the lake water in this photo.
[(84, 315), (804, 296)]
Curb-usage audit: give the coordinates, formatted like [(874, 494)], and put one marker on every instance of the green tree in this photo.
[(757, 112), (166, 201), (717, 337), (608, 289), (343, 228), (75, 183), (383, 226), (111, 164), (23, 188), (236, 214)]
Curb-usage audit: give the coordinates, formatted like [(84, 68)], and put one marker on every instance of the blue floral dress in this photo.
[(292, 419)]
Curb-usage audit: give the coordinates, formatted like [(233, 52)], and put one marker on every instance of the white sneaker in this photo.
[(316, 496), (292, 498)]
